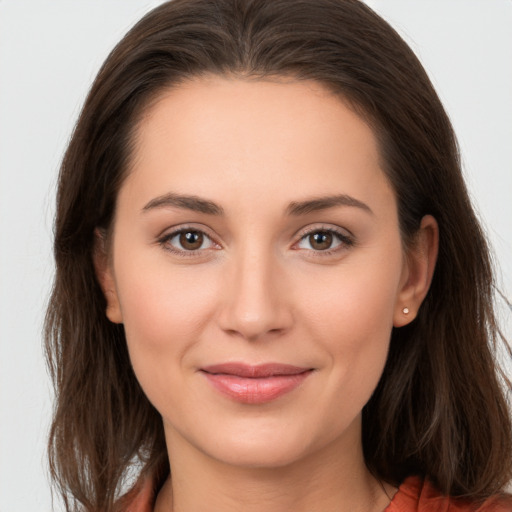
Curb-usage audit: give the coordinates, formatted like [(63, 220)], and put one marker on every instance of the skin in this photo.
[(260, 290)]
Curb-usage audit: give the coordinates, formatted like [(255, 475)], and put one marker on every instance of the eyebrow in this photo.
[(323, 203), (193, 203), (295, 208)]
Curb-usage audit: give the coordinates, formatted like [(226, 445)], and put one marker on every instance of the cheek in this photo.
[(159, 299), (351, 315), (164, 313), (353, 302), (356, 334)]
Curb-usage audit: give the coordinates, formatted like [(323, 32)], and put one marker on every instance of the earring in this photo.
[(405, 311)]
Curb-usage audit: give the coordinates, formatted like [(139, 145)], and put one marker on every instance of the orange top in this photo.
[(414, 495)]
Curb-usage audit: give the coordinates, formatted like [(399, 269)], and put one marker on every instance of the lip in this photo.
[(255, 384)]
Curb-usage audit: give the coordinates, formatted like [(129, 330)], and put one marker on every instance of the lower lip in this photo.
[(255, 390)]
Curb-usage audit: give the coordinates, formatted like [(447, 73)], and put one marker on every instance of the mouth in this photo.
[(255, 384)]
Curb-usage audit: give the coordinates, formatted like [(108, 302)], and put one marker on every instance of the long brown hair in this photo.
[(439, 410)]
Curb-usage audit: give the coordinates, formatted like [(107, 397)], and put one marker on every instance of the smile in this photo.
[(255, 384)]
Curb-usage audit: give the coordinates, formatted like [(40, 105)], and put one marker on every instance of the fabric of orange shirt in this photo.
[(414, 495)]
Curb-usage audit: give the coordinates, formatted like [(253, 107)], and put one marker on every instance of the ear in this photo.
[(105, 275), (418, 272)]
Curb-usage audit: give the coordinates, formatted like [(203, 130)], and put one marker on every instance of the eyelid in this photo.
[(332, 228), (169, 233), (346, 238)]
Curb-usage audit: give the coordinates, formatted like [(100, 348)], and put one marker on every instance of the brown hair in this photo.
[(439, 410)]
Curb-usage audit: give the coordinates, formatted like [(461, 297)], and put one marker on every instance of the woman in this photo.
[(272, 292)]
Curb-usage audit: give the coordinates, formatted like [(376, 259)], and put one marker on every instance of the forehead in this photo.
[(217, 134)]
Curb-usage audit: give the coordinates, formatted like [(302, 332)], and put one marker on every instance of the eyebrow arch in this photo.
[(193, 203), (323, 203)]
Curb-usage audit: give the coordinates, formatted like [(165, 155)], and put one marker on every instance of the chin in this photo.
[(271, 445), (252, 454)]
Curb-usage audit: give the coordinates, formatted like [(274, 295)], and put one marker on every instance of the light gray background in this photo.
[(50, 51)]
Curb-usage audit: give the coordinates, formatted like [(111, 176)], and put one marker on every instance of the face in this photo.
[(257, 268)]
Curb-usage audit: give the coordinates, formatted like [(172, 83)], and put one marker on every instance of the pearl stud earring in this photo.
[(405, 311)]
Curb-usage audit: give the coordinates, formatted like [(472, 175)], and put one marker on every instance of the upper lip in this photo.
[(254, 371)]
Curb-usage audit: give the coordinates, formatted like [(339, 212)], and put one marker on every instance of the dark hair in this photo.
[(439, 410)]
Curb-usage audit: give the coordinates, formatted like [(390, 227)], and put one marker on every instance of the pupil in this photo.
[(191, 240), (321, 240)]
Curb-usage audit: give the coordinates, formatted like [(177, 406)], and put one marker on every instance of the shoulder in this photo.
[(417, 495)]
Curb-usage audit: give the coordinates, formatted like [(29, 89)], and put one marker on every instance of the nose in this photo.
[(255, 301)]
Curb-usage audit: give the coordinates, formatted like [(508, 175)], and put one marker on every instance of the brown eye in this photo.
[(191, 240), (321, 240), (188, 242), (325, 240)]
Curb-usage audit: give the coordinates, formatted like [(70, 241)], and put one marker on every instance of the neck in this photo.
[(322, 481)]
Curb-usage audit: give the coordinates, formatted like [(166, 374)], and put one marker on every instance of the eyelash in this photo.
[(164, 241), (346, 241)]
